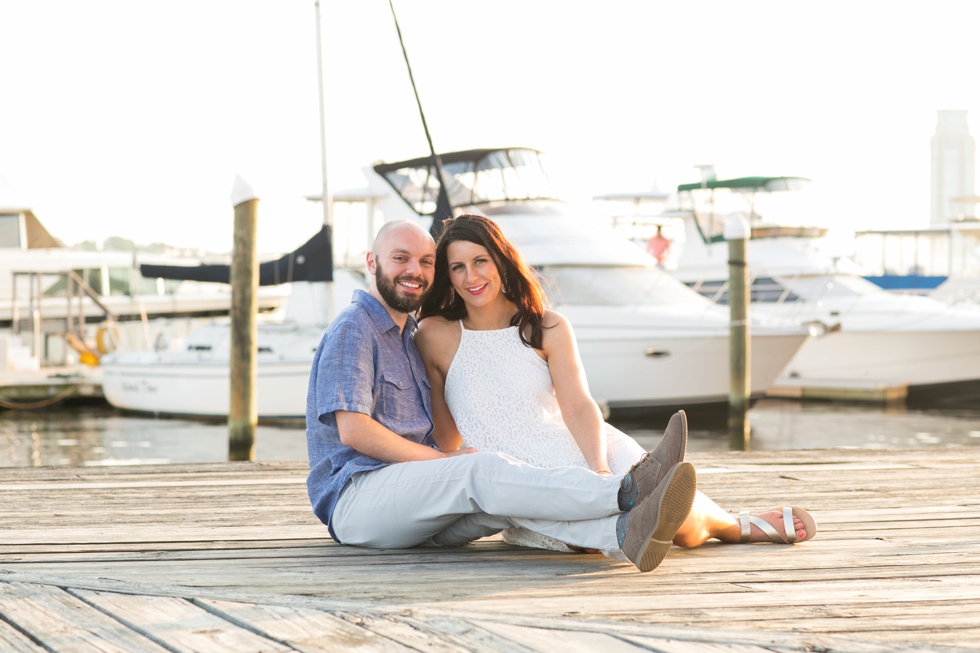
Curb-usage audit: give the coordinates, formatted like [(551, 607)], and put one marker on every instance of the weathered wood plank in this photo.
[(63, 623), (467, 634), (543, 640), (692, 646), (310, 631), (180, 625), (405, 633), (13, 641)]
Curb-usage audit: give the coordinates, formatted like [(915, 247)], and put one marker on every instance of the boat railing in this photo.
[(76, 290)]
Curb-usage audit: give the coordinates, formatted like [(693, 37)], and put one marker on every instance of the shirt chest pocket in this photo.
[(398, 400)]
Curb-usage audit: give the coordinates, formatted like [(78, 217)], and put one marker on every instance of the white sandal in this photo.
[(747, 521)]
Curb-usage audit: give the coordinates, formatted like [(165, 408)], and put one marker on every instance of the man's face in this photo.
[(403, 267)]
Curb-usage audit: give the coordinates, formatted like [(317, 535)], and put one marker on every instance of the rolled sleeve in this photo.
[(345, 379)]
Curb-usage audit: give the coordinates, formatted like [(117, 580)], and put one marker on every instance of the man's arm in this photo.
[(366, 435)]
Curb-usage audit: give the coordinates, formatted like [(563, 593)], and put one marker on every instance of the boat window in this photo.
[(814, 289), (145, 285), (613, 286), (501, 175), (119, 282), (764, 289), (10, 231), (92, 277), (510, 175)]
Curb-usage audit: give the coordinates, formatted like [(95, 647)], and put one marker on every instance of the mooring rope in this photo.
[(43, 403)]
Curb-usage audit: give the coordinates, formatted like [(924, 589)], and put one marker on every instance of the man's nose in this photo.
[(413, 267)]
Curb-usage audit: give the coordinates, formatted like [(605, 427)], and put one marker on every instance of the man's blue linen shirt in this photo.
[(363, 365)]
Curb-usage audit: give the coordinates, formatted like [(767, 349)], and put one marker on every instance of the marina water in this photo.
[(101, 435)]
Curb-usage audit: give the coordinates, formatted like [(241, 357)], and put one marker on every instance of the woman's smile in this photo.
[(477, 290)]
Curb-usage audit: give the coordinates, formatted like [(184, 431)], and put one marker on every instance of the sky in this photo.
[(133, 118)]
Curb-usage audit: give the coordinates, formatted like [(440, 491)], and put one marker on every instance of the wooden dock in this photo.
[(228, 557)]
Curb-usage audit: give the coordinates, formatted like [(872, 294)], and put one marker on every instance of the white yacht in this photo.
[(645, 339), (932, 346)]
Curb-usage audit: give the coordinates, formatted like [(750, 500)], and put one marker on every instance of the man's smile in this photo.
[(410, 285)]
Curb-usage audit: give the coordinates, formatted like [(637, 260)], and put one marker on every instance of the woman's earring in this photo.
[(504, 277), (452, 294)]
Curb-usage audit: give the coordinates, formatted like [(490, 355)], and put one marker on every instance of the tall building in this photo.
[(954, 155)]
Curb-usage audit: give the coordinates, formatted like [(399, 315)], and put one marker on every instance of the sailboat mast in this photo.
[(327, 204), (443, 210)]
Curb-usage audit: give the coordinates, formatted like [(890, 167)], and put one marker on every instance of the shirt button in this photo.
[(401, 385)]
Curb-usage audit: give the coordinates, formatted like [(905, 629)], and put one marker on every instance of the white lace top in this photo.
[(501, 396)]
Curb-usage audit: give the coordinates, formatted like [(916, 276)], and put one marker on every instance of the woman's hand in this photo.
[(459, 452)]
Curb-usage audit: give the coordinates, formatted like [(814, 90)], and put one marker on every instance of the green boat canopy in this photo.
[(769, 184)]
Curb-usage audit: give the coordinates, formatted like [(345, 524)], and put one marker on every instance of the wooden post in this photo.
[(243, 411), (737, 233)]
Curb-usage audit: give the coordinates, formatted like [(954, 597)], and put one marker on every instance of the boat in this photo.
[(57, 296), (194, 380), (798, 273), (941, 262), (646, 340)]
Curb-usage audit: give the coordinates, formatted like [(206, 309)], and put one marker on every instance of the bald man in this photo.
[(378, 479)]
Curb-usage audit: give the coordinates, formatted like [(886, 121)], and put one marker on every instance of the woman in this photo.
[(506, 376)]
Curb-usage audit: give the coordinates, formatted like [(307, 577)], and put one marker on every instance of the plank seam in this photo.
[(10, 622), (124, 622)]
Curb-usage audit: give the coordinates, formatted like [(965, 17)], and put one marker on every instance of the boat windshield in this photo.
[(814, 289), (613, 286), (472, 178)]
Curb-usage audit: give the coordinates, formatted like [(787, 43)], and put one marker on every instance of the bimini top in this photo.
[(768, 184), (473, 178)]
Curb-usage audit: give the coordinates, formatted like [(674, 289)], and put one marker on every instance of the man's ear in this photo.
[(371, 263)]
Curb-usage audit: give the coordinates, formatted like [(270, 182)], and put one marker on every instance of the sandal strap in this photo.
[(743, 520), (747, 521), (788, 525)]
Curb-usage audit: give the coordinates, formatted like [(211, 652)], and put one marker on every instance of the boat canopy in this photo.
[(473, 178), (313, 261), (767, 184)]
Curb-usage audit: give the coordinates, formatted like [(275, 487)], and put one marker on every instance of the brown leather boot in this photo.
[(652, 525)]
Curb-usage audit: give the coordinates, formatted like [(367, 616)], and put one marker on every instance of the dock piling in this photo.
[(737, 232), (242, 409)]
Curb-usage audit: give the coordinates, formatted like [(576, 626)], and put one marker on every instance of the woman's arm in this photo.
[(434, 340), (580, 412)]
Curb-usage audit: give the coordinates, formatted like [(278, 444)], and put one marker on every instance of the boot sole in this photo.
[(675, 506)]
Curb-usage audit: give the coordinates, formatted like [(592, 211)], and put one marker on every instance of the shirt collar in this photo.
[(381, 318)]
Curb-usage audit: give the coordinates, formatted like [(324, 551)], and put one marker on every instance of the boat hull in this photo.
[(919, 358), (203, 390), (680, 371)]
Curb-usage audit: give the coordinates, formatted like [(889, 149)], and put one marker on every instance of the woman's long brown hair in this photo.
[(519, 282)]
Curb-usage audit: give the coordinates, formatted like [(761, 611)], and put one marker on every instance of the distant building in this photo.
[(954, 154)]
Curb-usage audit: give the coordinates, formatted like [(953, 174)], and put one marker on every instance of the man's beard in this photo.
[(388, 289)]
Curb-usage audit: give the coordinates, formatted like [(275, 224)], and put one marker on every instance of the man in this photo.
[(377, 478), (659, 246)]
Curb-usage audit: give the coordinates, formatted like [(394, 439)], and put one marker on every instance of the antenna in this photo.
[(443, 208)]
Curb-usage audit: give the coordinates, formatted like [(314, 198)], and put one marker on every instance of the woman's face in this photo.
[(472, 273)]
